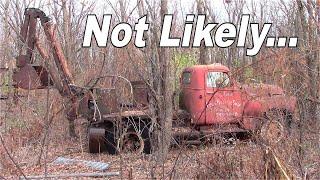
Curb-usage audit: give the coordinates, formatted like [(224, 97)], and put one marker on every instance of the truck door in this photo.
[(193, 95), (224, 101)]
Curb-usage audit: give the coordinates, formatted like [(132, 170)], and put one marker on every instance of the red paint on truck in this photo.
[(211, 97)]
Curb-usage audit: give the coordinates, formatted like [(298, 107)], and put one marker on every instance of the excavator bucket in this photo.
[(31, 77)]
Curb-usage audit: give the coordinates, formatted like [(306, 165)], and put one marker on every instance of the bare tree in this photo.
[(311, 51), (204, 54), (166, 90)]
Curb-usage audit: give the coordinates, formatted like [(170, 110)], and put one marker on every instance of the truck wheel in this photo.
[(274, 128), (147, 140), (131, 142), (111, 146), (96, 139), (135, 142)]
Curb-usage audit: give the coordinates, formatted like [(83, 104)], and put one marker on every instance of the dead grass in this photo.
[(245, 160)]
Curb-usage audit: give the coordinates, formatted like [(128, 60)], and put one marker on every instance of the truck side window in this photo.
[(186, 78), (217, 79)]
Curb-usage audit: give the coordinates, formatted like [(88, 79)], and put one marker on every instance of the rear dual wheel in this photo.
[(131, 142), (136, 140), (96, 138), (103, 139)]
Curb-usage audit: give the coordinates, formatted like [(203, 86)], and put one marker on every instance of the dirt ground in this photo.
[(23, 130)]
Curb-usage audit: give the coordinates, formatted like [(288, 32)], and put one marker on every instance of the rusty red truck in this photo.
[(211, 101), (213, 97)]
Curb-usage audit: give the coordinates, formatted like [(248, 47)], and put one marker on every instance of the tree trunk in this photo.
[(312, 58), (71, 109), (166, 86), (318, 13), (204, 54), (311, 52)]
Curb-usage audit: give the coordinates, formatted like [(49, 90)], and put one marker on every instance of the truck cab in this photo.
[(211, 97)]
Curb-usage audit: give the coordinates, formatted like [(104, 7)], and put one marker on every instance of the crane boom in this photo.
[(25, 77), (30, 76)]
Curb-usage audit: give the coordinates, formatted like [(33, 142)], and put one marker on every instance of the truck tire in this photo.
[(147, 140), (274, 127), (96, 139), (111, 145), (139, 141)]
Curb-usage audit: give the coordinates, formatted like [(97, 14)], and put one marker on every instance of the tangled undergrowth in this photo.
[(33, 145)]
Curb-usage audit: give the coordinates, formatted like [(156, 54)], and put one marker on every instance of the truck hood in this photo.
[(270, 97), (262, 90)]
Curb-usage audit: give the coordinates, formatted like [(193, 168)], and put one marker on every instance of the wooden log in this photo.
[(105, 174)]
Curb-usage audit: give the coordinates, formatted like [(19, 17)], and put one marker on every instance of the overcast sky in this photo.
[(185, 6)]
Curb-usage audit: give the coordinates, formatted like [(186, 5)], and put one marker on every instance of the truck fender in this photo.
[(252, 108), (251, 114)]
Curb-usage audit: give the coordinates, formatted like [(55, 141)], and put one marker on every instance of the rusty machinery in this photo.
[(116, 127), (211, 101), (31, 76)]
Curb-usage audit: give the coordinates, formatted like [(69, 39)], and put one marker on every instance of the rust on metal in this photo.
[(31, 77), (245, 104), (140, 93), (59, 58), (53, 73), (96, 139), (132, 113), (213, 105), (28, 36), (21, 61), (131, 142)]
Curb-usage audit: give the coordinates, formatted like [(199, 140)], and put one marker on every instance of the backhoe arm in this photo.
[(25, 61), (30, 76)]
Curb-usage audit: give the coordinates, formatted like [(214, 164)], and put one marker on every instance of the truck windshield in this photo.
[(217, 79)]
